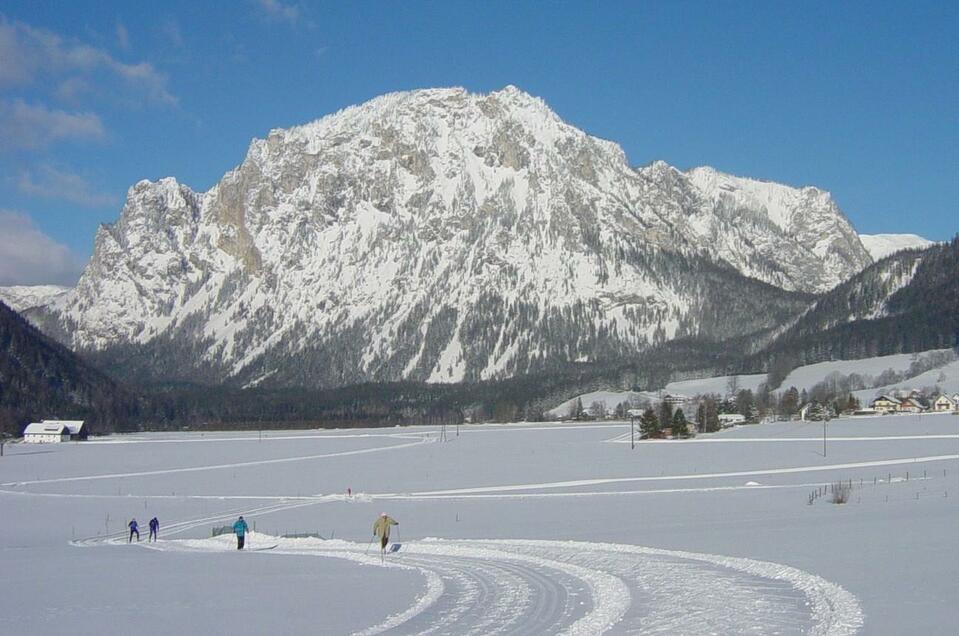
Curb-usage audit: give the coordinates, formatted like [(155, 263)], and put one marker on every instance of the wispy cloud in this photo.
[(30, 257), (30, 54), (52, 183), (279, 11), (33, 126)]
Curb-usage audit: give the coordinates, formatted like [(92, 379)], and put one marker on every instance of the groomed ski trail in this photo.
[(579, 588)]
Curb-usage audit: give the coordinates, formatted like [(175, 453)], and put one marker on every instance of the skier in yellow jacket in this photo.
[(382, 527)]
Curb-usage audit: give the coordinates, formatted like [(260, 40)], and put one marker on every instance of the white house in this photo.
[(46, 433), (886, 404), (675, 399), (730, 419), (944, 403)]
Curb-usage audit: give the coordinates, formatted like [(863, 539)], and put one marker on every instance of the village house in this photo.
[(886, 404), (944, 403), (675, 399), (911, 405)]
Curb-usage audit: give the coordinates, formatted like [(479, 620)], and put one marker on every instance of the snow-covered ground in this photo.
[(515, 528)]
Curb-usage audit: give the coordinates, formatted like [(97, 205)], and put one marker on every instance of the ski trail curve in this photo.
[(506, 586)]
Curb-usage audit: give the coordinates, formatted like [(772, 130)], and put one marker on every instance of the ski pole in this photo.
[(369, 545)]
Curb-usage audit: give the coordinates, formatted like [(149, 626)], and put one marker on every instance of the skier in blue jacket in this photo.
[(134, 530), (154, 529), (239, 529)]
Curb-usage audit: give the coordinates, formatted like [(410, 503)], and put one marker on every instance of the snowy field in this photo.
[(524, 529)]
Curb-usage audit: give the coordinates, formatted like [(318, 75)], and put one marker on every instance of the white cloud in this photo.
[(51, 183), (30, 54), (277, 10), (30, 257), (29, 126)]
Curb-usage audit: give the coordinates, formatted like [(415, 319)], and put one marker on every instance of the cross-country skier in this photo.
[(239, 529), (134, 530), (382, 527), (154, 529)]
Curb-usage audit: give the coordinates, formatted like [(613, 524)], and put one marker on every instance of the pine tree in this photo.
[(712, 416), (701, 417), (680, 426), (665, 414), (649, 423)]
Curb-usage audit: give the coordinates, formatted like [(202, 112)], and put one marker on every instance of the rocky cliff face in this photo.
[(444, 236)]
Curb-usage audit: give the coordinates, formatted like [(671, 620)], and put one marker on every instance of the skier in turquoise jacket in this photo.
[(239, 529)]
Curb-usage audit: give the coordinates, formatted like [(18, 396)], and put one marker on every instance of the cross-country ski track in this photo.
[(564, 587)]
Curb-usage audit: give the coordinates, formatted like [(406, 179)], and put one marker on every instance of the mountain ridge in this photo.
[(443, 236)]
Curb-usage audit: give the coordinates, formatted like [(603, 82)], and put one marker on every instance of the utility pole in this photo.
[(632, 432), (824, 438)]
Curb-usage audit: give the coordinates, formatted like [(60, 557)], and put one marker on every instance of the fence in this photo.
[(841, 492)]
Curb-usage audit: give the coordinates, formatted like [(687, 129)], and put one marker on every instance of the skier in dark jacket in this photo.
[(154, 529), (134, 530), (239, 529)]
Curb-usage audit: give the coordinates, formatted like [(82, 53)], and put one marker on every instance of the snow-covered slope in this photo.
[(23, 297), (441, 235), (880, 246), (788, 236)]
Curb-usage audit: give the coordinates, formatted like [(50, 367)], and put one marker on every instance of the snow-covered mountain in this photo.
[(796, 238), (23, 297), (880, 246), (441, 235)]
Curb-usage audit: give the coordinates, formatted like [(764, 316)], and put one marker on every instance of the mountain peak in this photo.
[(443, 235)]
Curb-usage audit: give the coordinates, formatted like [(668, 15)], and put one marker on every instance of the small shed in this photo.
[(46, 433)]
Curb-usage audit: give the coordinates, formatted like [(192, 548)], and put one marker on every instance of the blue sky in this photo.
[(861, 99)]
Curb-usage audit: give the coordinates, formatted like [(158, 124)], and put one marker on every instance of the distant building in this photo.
[(674, 399), (730, 419), (944, 403), (911, 405), (53, 431), (46, 433), (886, 404)]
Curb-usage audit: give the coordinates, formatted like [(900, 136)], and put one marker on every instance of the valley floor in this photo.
[(538, 528)]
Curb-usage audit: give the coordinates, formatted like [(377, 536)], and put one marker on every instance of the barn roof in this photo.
[(45, 428), (73, 426)]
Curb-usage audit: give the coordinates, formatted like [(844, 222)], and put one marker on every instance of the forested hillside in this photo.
[(40, 378), (905, 303)]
